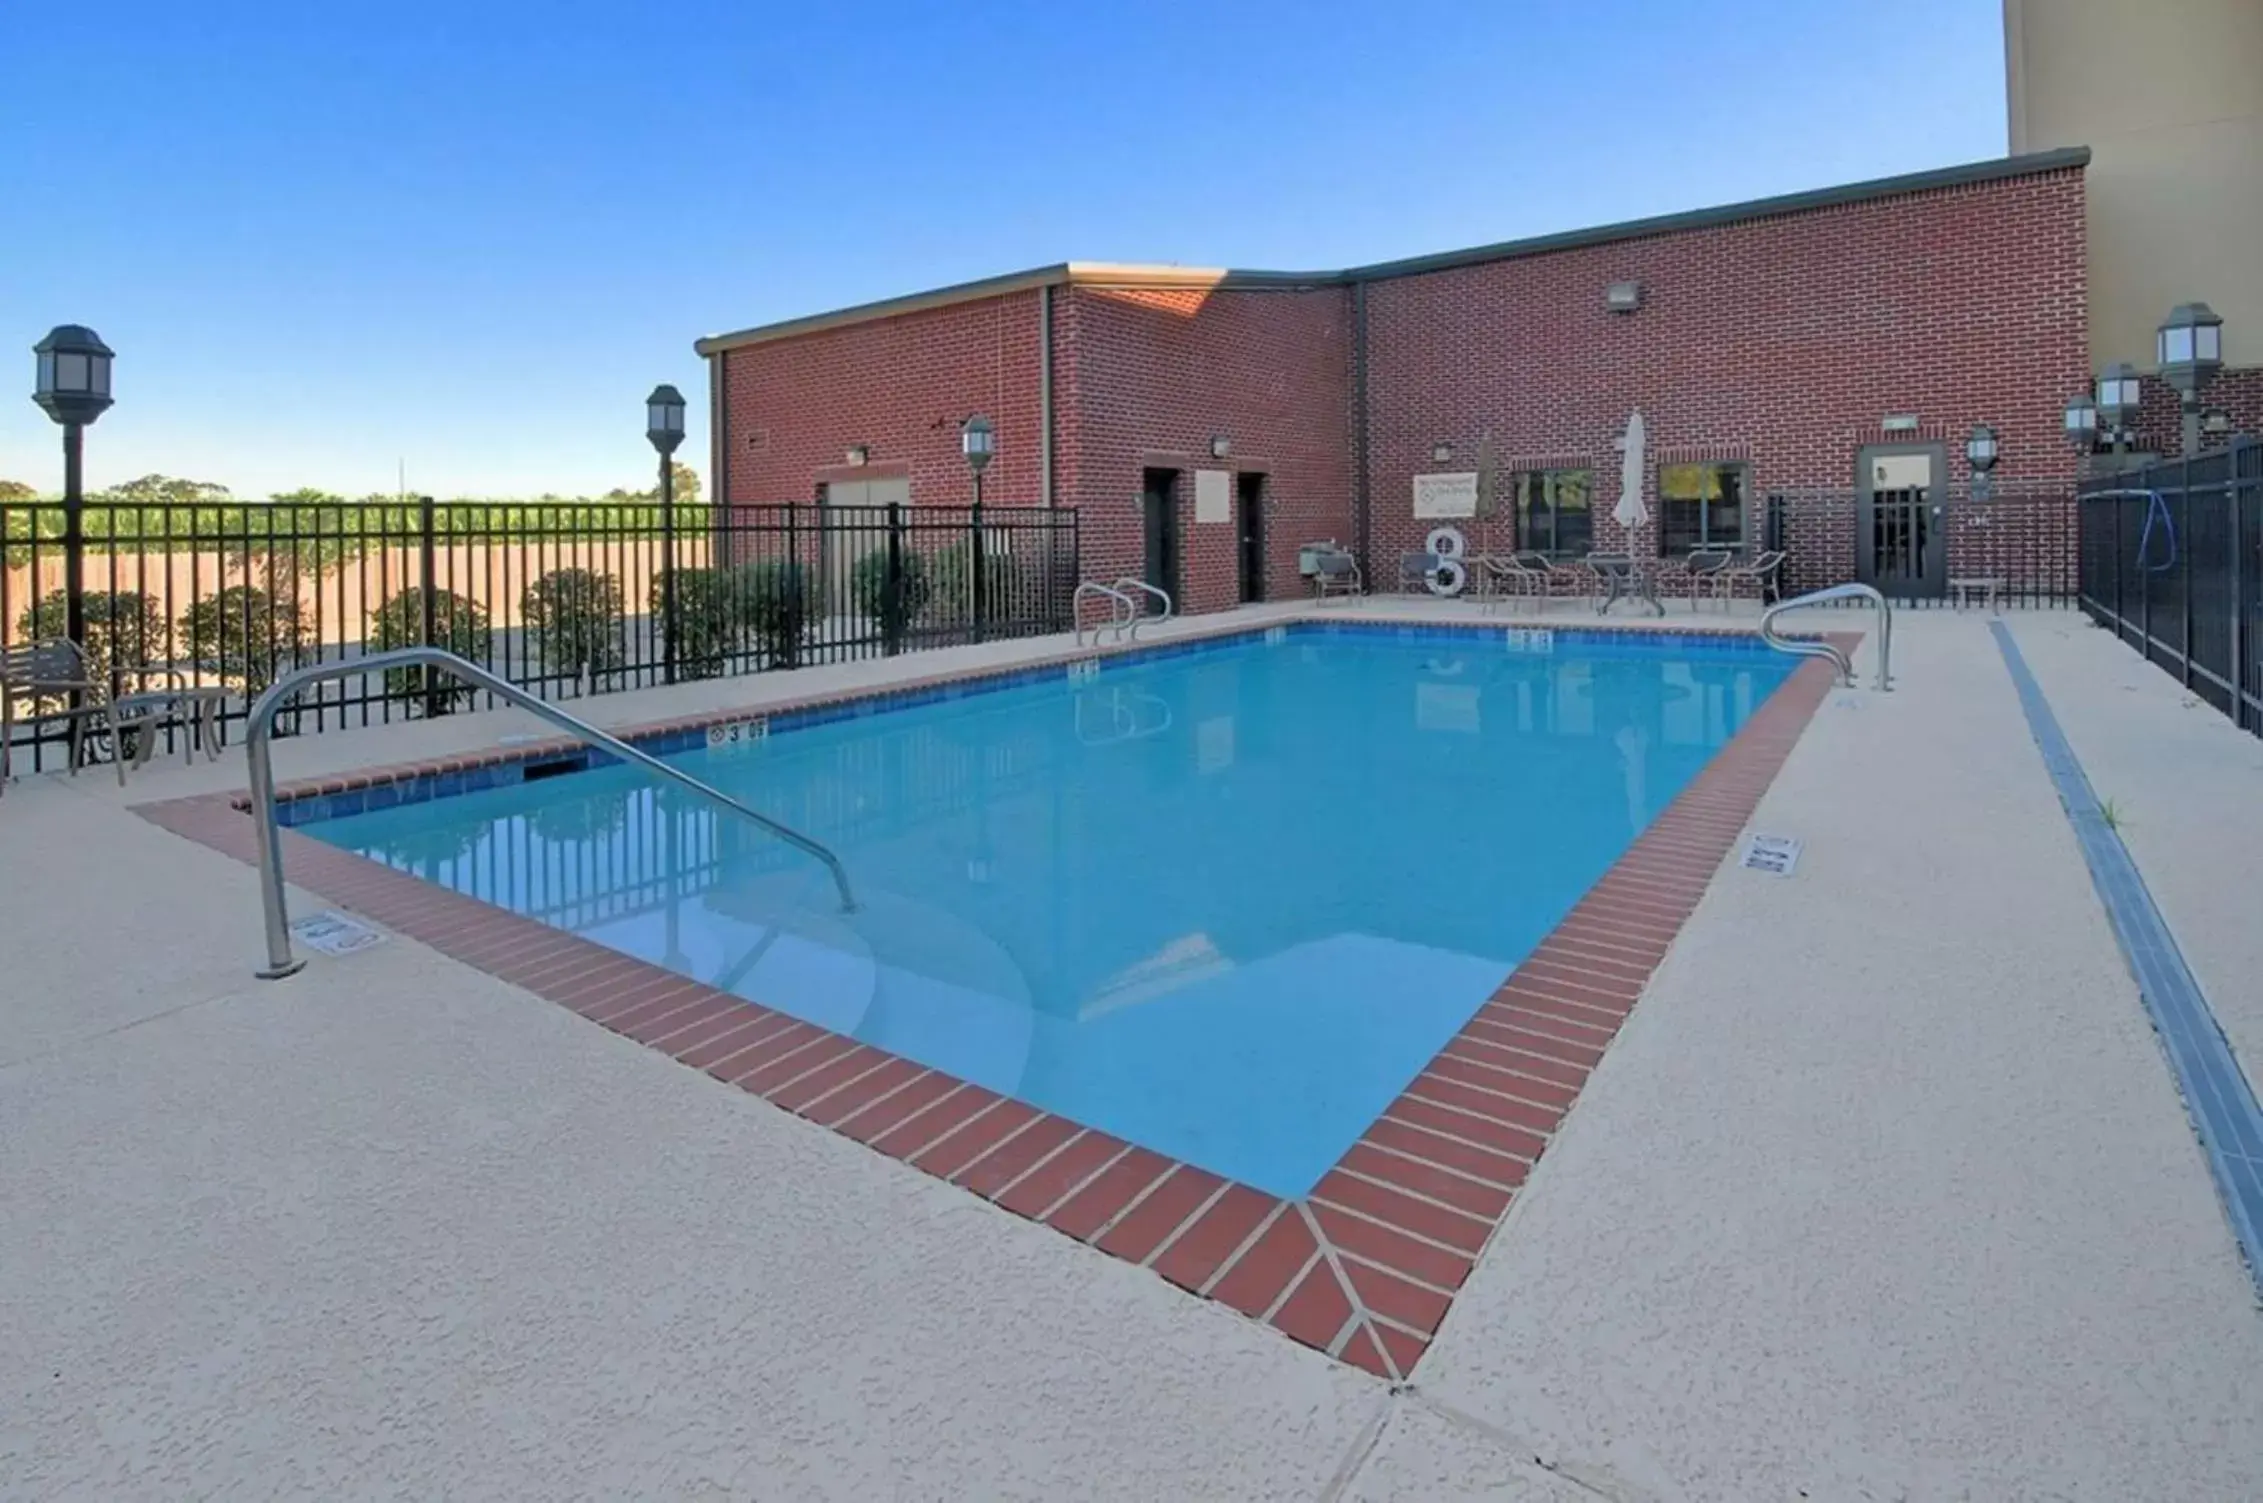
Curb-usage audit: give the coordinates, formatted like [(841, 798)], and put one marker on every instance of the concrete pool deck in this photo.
[(1883, 1190)]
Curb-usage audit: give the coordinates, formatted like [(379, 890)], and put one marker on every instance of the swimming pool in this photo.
[(1223, 901)]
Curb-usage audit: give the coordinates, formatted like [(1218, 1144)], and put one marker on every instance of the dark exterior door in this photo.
[(1159, 505), (1901, 532), (1249, 520)]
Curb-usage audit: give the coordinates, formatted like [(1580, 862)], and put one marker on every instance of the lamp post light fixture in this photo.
[(664, 425), (2189, 349), (1981, 451), (2081, 417), (978, 440), (2121, 395), (73, 388)]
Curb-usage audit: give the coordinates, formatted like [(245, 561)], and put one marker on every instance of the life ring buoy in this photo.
[(1446, 542), (1450, 578)]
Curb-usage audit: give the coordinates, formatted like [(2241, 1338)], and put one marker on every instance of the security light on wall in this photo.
[(1441, 452), (1220, 446), (1623, 297), (859, 453)]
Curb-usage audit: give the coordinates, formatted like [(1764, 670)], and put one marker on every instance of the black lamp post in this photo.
[(664, 425), (2189, 350), (977, 440), (74, 389)]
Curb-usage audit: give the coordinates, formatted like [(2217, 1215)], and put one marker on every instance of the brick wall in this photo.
[(1148, 377), (2159, 428), (900, 386), (1780, 342)]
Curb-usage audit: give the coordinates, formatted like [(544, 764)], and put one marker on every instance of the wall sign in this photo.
[(1453, 494), (1213, 496)]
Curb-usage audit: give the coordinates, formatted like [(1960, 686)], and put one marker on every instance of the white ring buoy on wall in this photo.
[(1451, 577), (1446, 542)]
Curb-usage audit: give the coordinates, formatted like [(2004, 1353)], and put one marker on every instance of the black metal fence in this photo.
[(563, 601), (1913, 545), (2172, 562)]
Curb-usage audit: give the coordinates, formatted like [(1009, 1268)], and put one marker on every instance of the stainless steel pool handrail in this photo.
[(1121, 614), (1810, 648), (260, 726), (1140, 618)]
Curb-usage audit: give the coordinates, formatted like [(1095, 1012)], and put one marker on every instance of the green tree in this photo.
[(16, 491), (577, 618), (458, 625), (245, 635)]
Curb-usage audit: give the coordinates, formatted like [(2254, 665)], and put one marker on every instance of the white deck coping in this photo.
[(1884, 1191)]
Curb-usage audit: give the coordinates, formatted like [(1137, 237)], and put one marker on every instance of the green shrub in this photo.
[(458, 625), (577, 621), (709, 622), (1009, 583), (779, 600), (868, 589), (246, 636), (124, 629)]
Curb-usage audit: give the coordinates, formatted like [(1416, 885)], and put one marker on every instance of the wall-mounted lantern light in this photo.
[(1441, 452), (1981, 450), (1220, 446), (859, 453)]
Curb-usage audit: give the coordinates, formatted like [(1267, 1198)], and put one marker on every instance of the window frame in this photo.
[(1520, 510), (1706, 542)]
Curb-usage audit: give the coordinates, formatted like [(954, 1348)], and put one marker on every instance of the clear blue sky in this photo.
[(471, 235)]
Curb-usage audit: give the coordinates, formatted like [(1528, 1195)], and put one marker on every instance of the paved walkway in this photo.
[(1884, 1191)]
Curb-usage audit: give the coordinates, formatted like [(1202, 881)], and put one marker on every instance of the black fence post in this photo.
[(892, 590), (977, 570), (435, 700), (2184, 558), (2236, 505)]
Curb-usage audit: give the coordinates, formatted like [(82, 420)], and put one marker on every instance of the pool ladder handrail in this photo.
[(267, 832), (1121, 615), (1809, 647), (1141, 618)]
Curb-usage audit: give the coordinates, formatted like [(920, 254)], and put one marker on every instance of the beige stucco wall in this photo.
[(2168, 96)]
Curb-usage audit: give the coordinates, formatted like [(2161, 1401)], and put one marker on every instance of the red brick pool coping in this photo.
[(1364, 1269)]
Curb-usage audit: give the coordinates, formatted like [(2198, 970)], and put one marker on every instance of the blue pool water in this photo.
[(1223, 904)]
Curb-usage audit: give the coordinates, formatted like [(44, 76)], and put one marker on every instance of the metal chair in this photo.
[(1696, 576), (41, 673), (1765, 572)]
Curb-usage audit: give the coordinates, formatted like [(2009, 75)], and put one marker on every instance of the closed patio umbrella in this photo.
[(1630, 513)]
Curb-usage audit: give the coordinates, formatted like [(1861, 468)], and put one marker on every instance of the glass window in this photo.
[(1552, 511), (1700, 506)]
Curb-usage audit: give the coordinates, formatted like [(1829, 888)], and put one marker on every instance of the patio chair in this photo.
[(39, 673), (1415, 569), (1336, 572), (1697, 576), (1765, 571), (1526, 573)]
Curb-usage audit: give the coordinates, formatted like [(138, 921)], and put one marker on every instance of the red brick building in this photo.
[(1775, 348)]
